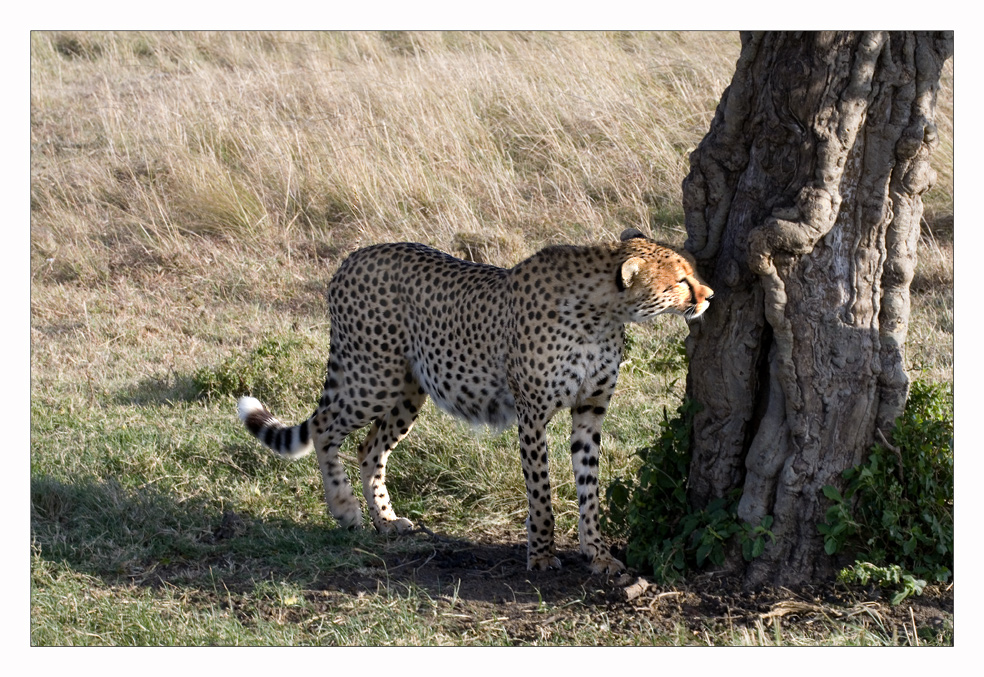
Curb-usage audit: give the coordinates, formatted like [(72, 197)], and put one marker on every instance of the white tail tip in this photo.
[(247, 405)]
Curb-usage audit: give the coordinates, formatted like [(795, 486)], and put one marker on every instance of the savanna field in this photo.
[(191, 195)]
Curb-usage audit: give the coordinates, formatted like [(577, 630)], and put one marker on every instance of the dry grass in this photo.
[(184, 185), (152, 142)]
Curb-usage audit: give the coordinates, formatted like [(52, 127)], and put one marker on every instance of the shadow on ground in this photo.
[(144, 538)]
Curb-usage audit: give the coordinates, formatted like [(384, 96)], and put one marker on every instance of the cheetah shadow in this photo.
[(149, 538)]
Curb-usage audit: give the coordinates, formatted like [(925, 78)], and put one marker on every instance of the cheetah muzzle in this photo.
[(490, 345)]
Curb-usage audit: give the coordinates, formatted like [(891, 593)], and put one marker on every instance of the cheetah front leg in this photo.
[(585, 451), (540, 551)]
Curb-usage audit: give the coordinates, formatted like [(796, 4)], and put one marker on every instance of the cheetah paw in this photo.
[(350, 522), (400, 525), (542, 562), (606, 564)]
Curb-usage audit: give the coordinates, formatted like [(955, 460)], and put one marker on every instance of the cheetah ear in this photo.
[(630, 233), (629, 271)]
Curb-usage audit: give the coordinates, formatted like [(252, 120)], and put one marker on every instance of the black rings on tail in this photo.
[(292, 442)]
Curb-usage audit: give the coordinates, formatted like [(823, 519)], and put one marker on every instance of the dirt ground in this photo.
[(489, 580)]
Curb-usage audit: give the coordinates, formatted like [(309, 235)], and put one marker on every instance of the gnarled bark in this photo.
[(803, 205)]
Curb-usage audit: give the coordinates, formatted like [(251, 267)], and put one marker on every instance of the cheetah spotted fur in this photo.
[(491, 345)]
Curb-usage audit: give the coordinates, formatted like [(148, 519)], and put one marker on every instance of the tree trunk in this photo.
[(802, 206)]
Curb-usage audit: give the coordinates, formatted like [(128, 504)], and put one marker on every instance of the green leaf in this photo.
[(703, 551), (832, 493)]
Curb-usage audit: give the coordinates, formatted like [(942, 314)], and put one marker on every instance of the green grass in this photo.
[(184, 223), (129, 486)]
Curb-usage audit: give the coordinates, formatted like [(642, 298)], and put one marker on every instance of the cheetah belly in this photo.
[(456, 344), (474, 391)]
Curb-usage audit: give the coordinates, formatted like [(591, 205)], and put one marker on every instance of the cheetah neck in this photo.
[(589, 298)]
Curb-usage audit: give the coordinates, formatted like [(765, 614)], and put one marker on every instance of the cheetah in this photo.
[(490, 345)]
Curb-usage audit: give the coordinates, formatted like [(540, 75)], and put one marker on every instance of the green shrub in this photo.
[(665, 535), (890, 577), (282, 370), (897, 506)]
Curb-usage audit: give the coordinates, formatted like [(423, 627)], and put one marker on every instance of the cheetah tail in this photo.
[(292, 442)]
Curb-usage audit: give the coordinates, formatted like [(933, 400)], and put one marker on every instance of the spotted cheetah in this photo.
[(490, 345)]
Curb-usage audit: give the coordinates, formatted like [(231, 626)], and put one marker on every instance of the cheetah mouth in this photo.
[(695, 312)]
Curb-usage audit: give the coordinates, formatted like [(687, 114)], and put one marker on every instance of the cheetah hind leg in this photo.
[(385, 434), (341, 500)]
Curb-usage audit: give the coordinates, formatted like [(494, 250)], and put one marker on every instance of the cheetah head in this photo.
[(656, 279)]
